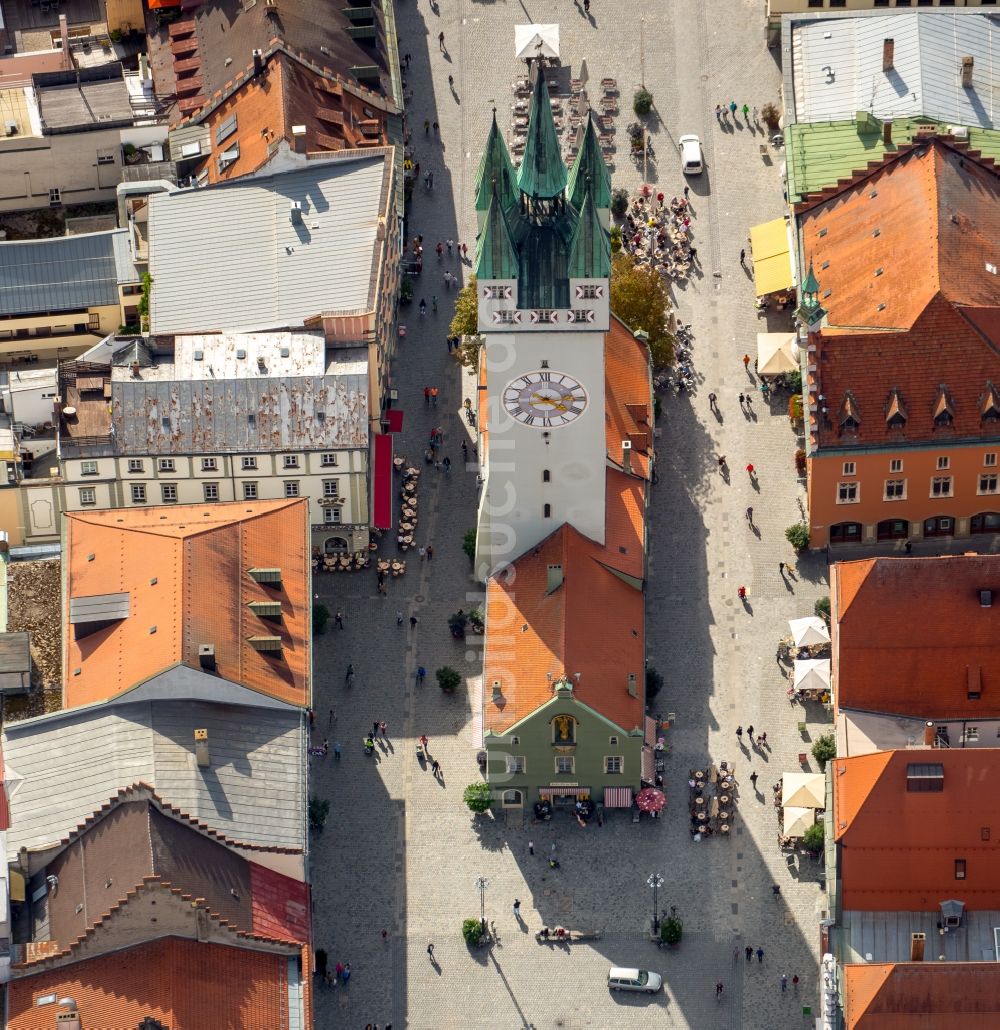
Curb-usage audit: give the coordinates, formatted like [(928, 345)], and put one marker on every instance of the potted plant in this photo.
[(798, 536), (319, 809), (473, 932), (476, 622), (405, 290), (813, 838), (822, 609), (771, 115), (321, 616), (671, 931), (478, 796), (824, 749), (800, 461), (457, 623), (642, 101), (469, 544), (448, 678), (619, 202)]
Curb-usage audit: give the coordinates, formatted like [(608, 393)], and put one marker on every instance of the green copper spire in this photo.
[(496, 165), (810, 310), (590, 248), (810, 284), (589, 164), (542, 174), (496, 256)]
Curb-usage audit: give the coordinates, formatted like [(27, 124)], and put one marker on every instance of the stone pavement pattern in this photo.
[(400, 852)]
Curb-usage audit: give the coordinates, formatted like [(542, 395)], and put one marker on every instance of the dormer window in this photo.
[(944, 413), (989, 405), (895, 413), (849, 418)]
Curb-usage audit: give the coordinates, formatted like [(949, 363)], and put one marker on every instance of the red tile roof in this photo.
[(628, 398), (186, 985), (911, 637), (898, 847), (903, 315), (186, 570), (280, 905), (909, 996)]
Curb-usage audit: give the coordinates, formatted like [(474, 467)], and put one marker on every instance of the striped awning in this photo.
[(547, 792), (648, 765), (617, 797)]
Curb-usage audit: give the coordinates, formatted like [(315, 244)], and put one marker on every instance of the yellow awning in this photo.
[(771, 250), (16, 882)]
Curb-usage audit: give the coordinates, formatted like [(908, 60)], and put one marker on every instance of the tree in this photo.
[(321, 616), (465, 321), (448, 678), (671, 931), (478, 796), (469, 544), (654, 683), (771, 115), (814, 836), (639, 299), (472, 931), (822, 609), (319, 809), (824, 749), (616, 239), (642, 102), (798, 536), (619, 202)]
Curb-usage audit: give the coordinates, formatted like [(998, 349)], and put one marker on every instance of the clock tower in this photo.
[(543, 266)]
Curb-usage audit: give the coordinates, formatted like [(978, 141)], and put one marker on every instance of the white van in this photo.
[(692, 162), (634, 980)]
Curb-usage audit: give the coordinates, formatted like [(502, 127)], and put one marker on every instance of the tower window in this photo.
[(547, 511), (546, 476)]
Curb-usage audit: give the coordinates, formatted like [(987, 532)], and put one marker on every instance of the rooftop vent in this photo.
[(241, 354), (985, 598), (295, 213), (269, 576), (267, 609), (199, 355), (285, 352), (201, 749), (269, 643), (966, 72)]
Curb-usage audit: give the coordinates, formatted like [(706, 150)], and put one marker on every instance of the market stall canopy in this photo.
[(649, 799), (777, 353), (795, 821), (803, 790), (809, 631), (812, 674), (771, 249), (536, 41)]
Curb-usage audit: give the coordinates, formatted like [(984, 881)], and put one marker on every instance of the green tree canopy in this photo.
[(640, 300), (465, 321), (478, 796)]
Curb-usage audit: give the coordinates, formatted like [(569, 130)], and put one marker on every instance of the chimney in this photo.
[(966, 72), (299, 139), (917, 946), (64, 39), (888, 46), (928, 734), (887, 132), (295, 213), (555, 578), (258, 62), (135, 369), (201, 748), (144, 67), (206, 657), (627, 455)]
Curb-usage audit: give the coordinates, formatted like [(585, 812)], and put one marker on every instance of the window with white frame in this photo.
[(169, 492), (135, 464), (943, 462), (613, 764), (331, 487), (166, 465), (895, 489), (328, 460), (589, 292), (941, 486), (988, 483), (850, 468), (613, 741), (505, 316), (290, 461), (291, 488), (248, 462), (88, 495), (138, 493), (990, 459), (88, 468), (565, 764), (515, 764), (971, 734), (847, 493), (249, 491), (496, 292), (895, 464), (209, 464), (211, 491), (331, 515)]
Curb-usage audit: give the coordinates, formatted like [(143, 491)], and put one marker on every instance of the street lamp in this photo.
[(481, 884), (656, 882)]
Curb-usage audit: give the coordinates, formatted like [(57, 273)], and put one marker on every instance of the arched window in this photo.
[(547, 511), (546, 476), (512, 799)]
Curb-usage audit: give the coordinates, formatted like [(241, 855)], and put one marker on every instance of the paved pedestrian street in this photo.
[(400, 851)]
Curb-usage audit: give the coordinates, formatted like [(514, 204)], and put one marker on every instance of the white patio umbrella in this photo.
[(536, 41), (777, 353), (811, 630), (803, 790), (812, 674), (795, 821)]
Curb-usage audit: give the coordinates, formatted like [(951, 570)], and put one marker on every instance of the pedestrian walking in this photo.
[(746, 361), (718, 112), (465, 250), (719, 989), (447, 463), (435, 767), (421, 673), (406, 58), (760, 954), (375, 725), (531, 847), (385, 935), (349, 675), (427, 126), (750, 733), (742, 593), (722, 462), (746, 112), (743, 258), (346, 973), (434, 398), (430, 175), (434, 303), (422, 551), (441, 41), (447, 281), (784, 982), (465, 451), (776, 890), (430, 952), (383, 728), (755, 119), (750, 470), (687, 190), (762, 739), (750, 516), (749, 400), (436, 127), (552, 850), (413, 622), (451, 244), (451, 81), (586, 6), (732, 108), (742, 400), (739, 734), (430, 551), (711, 401), (336, 751), (749, 952), (427, 396), (753, 779), (517, 909), (339, 618), (781, 568), (332, 719), (795, 982), (399, 617)]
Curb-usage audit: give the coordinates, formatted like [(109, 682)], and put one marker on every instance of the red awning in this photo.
[(575, 792), (382, 480), (648, 765), (394, 418), (617, 797)]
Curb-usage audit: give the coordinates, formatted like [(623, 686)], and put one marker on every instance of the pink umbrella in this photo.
[(649, 799)]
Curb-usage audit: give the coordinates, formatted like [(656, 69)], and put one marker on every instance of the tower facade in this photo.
[(543, 266)]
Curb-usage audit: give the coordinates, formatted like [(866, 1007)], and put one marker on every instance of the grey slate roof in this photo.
[(925, 80), (240, 415), (62, 767), (68, 273), (228, 257)]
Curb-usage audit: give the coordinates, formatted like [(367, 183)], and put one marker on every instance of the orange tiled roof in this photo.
[(184, 984), (591, 624), (628, 413), (898, 847), (903, 313), (905, 995), (185, 568), (911, 636)]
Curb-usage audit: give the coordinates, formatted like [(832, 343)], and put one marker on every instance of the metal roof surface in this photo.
[(837, 67), (229, 258), (15, 652), (99, 607), (67, 273), (70, 763)]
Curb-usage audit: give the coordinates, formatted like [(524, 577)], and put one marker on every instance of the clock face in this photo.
[(545, 399)]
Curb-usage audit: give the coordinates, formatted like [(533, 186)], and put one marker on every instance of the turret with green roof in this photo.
[(590, 248), (496, 256), (589, 170), (495, 167), (542, 174)]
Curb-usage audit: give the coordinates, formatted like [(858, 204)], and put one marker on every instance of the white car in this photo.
[(634, 980), (692, 162)]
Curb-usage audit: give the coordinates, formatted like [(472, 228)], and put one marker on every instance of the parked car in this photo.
[(692, 161), (634, 980)]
